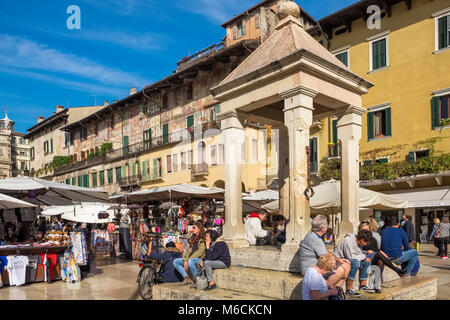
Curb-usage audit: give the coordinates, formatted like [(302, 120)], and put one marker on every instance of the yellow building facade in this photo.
[(413, 72)]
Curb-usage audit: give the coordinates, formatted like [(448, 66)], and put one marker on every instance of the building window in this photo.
[(415, 155), (102, 178), (68, 181), (165, 101), (442, 31), (94, 180), (51, 145), (189, 160), (175, 162), (169, 163), (66, 139), (157, 168), (118, 174), (254, 150), (86, 181), (32, 153), (379, 51), (110, 176), (189, 92), (147, 137), (343, 57), (257, 17), (379, 123), (80, 181), (221, 154), (213, 155), (441, 111), (240, 29), (190, 121), (377, 161), (183, 161), (74, 181), (313, 155)]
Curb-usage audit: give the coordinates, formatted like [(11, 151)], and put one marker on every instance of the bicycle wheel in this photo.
[(146, 283)]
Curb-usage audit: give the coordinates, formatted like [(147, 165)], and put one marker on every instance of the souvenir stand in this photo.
[(169, 215)]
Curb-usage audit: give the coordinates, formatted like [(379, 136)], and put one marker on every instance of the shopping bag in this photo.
[(201, 281)]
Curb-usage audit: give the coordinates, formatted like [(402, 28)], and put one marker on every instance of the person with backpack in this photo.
[(314, 285), (170, 275)]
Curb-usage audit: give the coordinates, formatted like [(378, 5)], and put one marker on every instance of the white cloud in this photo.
[(23, 54), (218, 11)]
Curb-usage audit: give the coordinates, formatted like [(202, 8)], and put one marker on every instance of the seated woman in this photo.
[(377, 256), (171, 253), (217, 256), (192, 256), (314, 285), (280, 229)]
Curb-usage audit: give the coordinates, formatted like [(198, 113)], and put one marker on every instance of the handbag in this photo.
[(200, 281), (340, 296), (438, 231)]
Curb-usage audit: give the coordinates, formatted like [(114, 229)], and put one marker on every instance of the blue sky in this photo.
[(122, 43)]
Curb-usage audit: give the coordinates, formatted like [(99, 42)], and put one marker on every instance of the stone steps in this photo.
[(173, 291), (414, 288)]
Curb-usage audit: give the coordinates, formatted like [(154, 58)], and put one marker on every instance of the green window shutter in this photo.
[(212, 115), (125, 141), (141, 111), (155, 168), (133, 167), (102, 178), (190, 121), (144, 170), (370, 125), (86, 181), (436, 114), (388, 122), (313, 154), (166, 133), (412, 157), (217, 109), (335, 138), (383, 53), (80, 181), (442, 33), (343, 57), (94, 180), (124, 173), (51, 145), (74, 181), (118, 174), (68, 181), (66, 139)]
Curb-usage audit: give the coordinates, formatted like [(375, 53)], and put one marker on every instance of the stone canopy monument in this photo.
[(288, 82)]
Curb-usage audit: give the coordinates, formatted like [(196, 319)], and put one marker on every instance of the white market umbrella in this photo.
[(7, 202), (50, 193), (83, 213), (327, 195)]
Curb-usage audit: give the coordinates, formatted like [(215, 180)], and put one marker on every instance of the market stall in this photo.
[(161, 215)]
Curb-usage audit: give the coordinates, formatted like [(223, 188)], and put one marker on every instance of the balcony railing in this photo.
[(199, 169), (138, 148), (130, 181)]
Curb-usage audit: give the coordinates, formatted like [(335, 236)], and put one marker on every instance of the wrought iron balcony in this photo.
[(199, 169), (130, 181)]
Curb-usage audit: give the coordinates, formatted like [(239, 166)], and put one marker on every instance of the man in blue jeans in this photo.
[(394, 242), (350, 248)]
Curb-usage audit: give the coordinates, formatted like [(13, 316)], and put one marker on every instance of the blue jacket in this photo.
[(219, 251), (170, 274), (392, 240)]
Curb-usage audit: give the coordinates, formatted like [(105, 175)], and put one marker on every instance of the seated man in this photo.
[(394, 242), (280, 229), (171, 253), (313, 246), (351, 248), (254, 232)]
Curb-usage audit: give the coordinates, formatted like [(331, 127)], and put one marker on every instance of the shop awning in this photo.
[(328, 195), (266, 195), (50, 193), (424, 197), (174, 192), (7, 202)]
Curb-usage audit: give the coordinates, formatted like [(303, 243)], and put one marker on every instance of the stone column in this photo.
[(283, 171), (233, 138), (298, 114), (349, 133)]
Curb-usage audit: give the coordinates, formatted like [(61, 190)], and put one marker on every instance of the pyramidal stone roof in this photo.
[(288, 38)]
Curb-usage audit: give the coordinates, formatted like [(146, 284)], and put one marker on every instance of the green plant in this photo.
[(59, 161), (445, 122), (106, 146)]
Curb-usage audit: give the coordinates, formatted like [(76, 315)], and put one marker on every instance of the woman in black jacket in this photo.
[(171, 253), (217, 256)]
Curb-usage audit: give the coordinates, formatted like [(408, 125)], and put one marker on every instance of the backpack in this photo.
[(340, 296), (200, 281)]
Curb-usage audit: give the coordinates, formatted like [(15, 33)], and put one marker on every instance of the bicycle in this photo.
[(149, 275)]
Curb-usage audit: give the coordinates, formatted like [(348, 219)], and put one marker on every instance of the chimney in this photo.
[(133, 91), (106, 103), (40, 119), (59, 108)]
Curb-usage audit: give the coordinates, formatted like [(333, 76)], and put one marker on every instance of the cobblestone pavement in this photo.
[(115, 279)]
